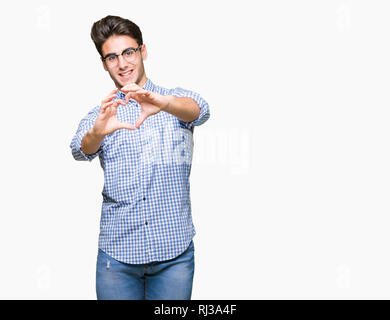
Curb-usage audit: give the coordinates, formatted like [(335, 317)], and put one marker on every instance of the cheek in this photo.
[(112, 73)]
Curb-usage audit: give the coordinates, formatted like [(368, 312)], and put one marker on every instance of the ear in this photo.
[(104, 65), (144, 52)]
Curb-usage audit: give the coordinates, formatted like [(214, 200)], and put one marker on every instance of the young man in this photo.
[(142, 134)]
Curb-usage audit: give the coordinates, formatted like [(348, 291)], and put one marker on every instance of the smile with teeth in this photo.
[(126, 74)]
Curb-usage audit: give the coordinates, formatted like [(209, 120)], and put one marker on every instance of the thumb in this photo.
[(126, 125), (141, 119)]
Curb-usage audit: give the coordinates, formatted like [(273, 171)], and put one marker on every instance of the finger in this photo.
[(112, 92), (106, 105), (115, 103), (131, 89), (130, 96), (109, 103), (136, 90), (125, 125), (108, 98), (127, 97), (120, 101), (143, 92), (138, 93), (114, 106), (140, 120), (130, 86)]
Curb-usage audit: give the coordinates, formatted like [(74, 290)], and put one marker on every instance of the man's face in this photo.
[(123, 72)]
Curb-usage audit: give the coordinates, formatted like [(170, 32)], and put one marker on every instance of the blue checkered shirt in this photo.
[(146, 209)]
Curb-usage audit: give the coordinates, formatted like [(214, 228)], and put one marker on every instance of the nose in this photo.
[(121, 62)]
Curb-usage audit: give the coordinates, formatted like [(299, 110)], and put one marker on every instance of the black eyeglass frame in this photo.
[(134, 50)]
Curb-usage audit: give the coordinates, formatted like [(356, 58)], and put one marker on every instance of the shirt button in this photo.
[(144, 198), (146, 223)]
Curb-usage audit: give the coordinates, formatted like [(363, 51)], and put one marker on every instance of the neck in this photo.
[(142, 81)]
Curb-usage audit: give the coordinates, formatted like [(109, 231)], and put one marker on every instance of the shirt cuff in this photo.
[(204, 113), (77, 153)]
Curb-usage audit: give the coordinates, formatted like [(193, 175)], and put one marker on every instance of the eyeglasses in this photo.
[(128, 54)]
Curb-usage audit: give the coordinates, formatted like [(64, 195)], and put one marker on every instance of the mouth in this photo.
[(126, 75)]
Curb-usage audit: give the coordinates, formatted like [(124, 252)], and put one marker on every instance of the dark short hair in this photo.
[(113, 25)]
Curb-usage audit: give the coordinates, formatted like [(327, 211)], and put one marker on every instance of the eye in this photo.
[(111, 58), (128, 52)]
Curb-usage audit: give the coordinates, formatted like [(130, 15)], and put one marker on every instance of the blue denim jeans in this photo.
[(170, 279)]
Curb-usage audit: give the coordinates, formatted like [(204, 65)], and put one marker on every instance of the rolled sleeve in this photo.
[(85, 125), (204, 113)]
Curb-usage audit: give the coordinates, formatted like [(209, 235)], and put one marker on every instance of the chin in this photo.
[(120, 83), (126, 82)]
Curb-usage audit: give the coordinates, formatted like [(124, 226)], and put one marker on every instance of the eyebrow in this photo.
[(113, 53)]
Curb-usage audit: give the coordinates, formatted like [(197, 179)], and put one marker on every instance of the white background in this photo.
[(290, 179)]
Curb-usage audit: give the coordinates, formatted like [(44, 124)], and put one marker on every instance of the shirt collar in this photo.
[(147, 86)]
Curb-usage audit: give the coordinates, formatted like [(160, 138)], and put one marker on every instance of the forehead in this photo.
[(116, 44)]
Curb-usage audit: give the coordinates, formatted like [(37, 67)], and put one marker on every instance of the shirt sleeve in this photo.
[(85, 125), (204, 114)]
